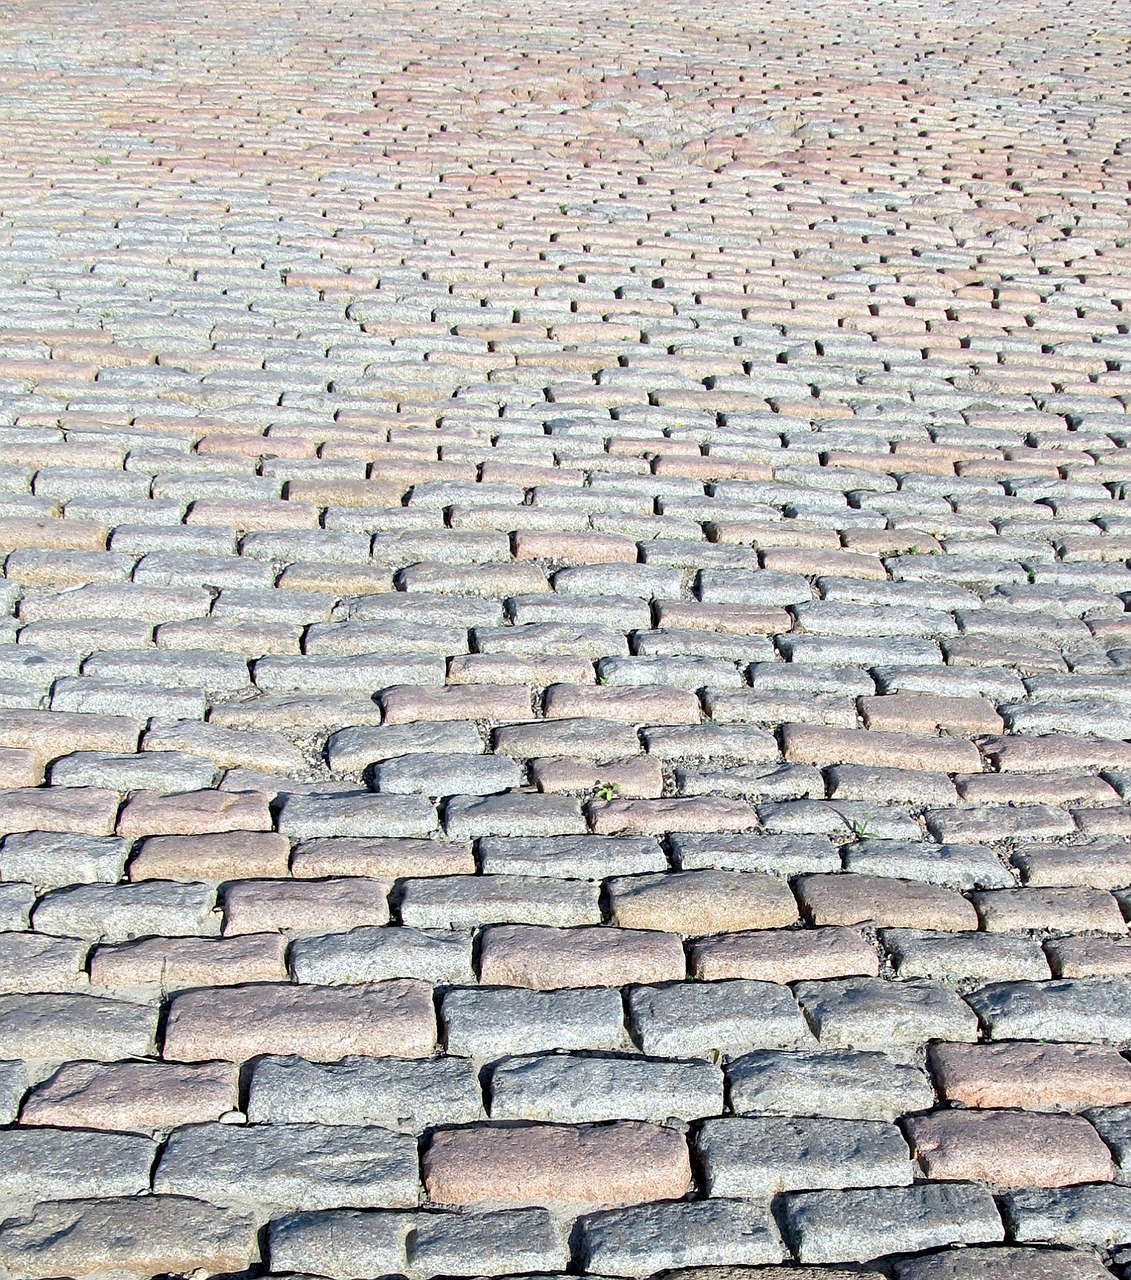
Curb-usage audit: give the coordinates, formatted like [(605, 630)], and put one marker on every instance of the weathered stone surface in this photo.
[(925, 953), (1036, 1077), (624, 1163), (576, 1089), (869, 1013), (88, 811), (855, 1226), (50, 859), (580, 857), (456, 903), (445, 775), (774, 955), (116, 913), (356, 814), (59, 1028), (129, 1236), (224, 856), (1084, 1009), (698, 1020), (293, 1166), (193, 813), (345, 1244), (1097, 1215), (144, 1096), (506, 1242), (374, 954), (406, 1096), (33, 962), (60, 1164), (379, 857), (641, 1241), (698, 902), (492, 1024), (856, 899), (266, 906), (13, 1086), (841, 1083), (513, 814), (361, 745), (755, 1158), (386, 1019), (1003, 1263), (544, 958), (959, 866), (1009, 1148), (171, 964)]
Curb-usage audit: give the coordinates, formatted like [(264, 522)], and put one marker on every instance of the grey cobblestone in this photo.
[(574, 1089), (294, 1166)]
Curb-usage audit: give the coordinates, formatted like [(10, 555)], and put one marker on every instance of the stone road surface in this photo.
[(565, 656)]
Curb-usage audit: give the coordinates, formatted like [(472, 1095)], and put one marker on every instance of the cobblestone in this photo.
[(563, 612)]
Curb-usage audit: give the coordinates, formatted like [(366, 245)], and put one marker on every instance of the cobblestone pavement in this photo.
[(565, 656)]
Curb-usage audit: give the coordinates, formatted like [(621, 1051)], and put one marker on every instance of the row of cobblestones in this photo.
[(564, 641)]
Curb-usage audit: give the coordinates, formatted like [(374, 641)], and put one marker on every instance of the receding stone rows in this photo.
[(562, 697)]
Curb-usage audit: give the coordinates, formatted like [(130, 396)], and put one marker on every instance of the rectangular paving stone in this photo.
[(471, 817), (1096, 1010), (117, 912), (89, 811), (440, 902), (545, 958), (627, 1162), (844, 1084), (52, 1164), (356, 814), (1036, 1077), (381, 857), (757, 1157), (488, 1024), (859, 1225), (1098, 1215), (1005, 1262), (405, 1096), (1009, 1148), (779, 955), (883, 901), (707, 1233), (390, 1019), (138, 1096), (507, 1241), (575, 1089), (62, 1027), (586, 737), (344, 1244), (956, 957), (954, 865), (698, 1020), (781, 855), (170, 964), (52, 859), (568, 856), (128, 1236), (292, 1166), (189, 813), (445, 775), (267, 906), (698, 902), (372, 954), (871, 1013)]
